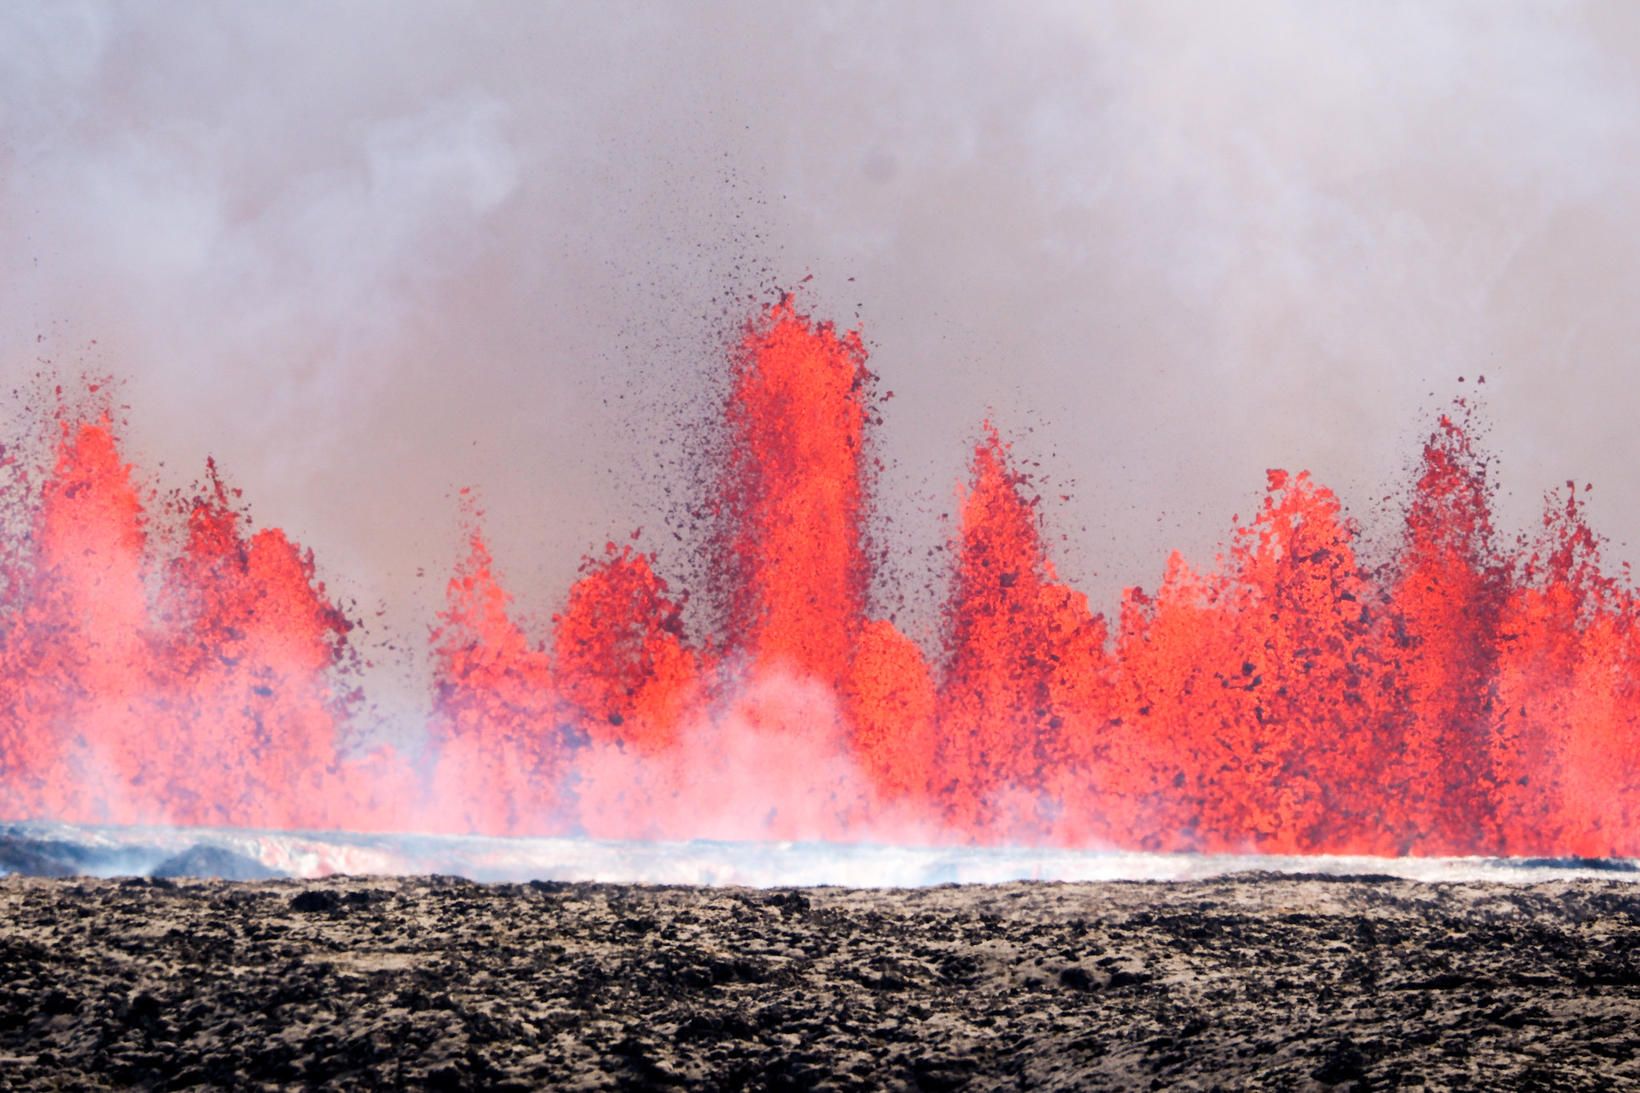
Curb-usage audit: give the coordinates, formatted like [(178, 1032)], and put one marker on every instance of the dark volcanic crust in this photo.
[(439, 982)]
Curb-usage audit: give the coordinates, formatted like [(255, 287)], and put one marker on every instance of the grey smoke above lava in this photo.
[(368, 254)]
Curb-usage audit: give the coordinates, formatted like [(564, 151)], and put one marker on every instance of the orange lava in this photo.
[(1462, 695), (792, 485)]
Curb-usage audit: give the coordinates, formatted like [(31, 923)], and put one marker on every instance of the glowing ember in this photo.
[(1462, 698)]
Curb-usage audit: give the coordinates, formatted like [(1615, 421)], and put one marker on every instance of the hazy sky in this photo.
[(366, 254)]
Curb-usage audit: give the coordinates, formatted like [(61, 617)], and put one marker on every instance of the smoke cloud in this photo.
[(368, 255)]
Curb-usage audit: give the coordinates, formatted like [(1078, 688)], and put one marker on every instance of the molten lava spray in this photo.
[(1461, 696), (197, 691), (792, 496)]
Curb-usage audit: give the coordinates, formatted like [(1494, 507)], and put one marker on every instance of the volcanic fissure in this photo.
[(1464, 696)]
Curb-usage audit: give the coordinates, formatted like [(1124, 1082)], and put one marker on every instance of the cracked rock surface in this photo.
[(436, 982)]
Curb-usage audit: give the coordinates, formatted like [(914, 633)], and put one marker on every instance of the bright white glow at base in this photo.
[(106, 851)]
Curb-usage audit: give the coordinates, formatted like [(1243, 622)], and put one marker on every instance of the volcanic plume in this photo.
[(162, 661)]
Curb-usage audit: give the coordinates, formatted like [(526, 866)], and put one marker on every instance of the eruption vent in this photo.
[(1460, 696)]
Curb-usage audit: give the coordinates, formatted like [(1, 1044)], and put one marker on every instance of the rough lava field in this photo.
[(1278, 981)]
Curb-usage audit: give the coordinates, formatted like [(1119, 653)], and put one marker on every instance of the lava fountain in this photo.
[(1464, 695)]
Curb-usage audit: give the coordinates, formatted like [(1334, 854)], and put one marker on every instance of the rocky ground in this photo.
[(437, 982)]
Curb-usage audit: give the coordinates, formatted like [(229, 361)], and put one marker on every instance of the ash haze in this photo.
[(368, 254)]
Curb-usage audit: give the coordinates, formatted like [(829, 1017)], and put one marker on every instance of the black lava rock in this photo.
[(202, 860), (315, 900)]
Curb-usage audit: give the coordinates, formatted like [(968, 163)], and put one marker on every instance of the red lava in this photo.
[(1466, 696)]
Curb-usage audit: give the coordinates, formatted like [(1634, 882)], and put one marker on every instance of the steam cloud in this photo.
[(367, 255)]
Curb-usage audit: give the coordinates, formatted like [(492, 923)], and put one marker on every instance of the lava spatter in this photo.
[(244, 651), (501, 751), (1442, 639), (792, 493), (172, 663), (997, 727), (203, 690), (620, 656), (77, 641)]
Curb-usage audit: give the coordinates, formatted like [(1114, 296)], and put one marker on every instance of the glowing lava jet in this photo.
[(210, 700), (1461, 697)]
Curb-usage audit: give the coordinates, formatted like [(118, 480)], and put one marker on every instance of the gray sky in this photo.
[(366, 254)]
